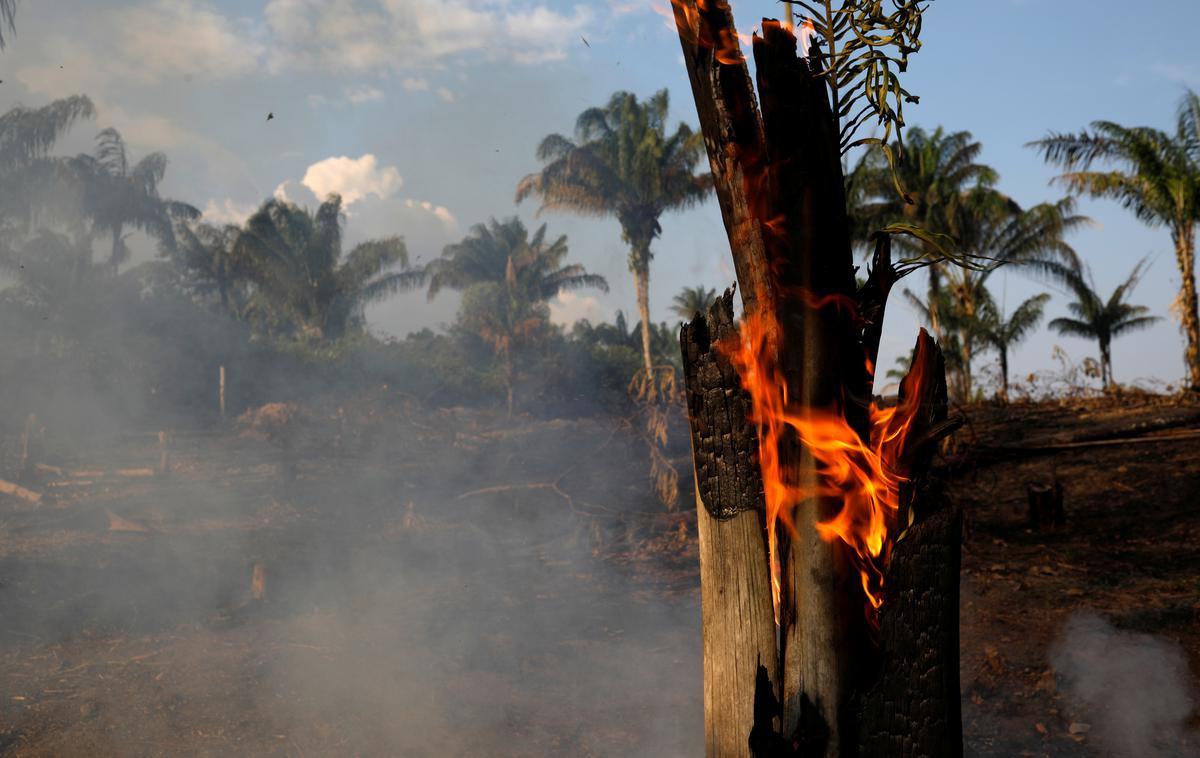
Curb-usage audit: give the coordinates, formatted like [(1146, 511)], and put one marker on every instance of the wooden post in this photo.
[(27, 443), (164, 459), (221, 390), (776, 167)]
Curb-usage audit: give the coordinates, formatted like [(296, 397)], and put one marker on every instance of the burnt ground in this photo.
[(456, 584), (1129, 550)]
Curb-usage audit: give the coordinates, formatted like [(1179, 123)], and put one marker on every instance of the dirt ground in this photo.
[(461, 585)]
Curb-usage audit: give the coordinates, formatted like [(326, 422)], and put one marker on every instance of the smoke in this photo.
[(1134, 689)]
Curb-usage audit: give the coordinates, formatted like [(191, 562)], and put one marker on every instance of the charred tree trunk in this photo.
[(735, 604), (779, 182)]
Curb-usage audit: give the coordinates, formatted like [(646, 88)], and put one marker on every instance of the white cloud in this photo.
[(623, 7), (281, 192), (143, 44), (375, 204), (367, 35), (186, 38), (445, 94), (440, 212), (155, 41), (529, 31), (363, 93), (568, 307), (227, 212), (357, 94), (352, 178)]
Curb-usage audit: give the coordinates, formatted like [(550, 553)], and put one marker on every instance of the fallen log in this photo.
[(987, 455), (121, 524), (16, 490), (134, 473)]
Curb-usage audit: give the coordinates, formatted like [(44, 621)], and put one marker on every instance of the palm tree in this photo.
[(693, 300), (938, 171), (1156, 175), (664, 338), (50, 279), (622, 164), (491, 250), (508, 278), (26, 137), (302, 281), (1003, 334), (48, 271), (118, 194), (994, 230), (208, 253), (28, 133), (1103, 320), (956, 331)]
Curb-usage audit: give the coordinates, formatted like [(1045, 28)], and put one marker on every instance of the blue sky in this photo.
[(428, 111)]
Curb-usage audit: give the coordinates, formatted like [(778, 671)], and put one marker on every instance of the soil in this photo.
[(455, 583)]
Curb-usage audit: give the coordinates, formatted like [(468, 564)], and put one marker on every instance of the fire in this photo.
[(864, 474), (807, 33), (685, 16)]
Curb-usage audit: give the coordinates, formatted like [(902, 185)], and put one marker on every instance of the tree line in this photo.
[(282, 280)]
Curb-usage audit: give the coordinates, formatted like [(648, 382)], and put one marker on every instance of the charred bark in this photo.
[(736, 610), (911, 707), (724, 442)]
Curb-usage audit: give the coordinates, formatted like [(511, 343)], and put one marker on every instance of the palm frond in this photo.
[(389, 284), (29, 133), (1135, 324), (111, 152), (1025, 318), (368, 259), (149, 172), (554, 147), (8, 17), (1072, 327), (1188, 129)]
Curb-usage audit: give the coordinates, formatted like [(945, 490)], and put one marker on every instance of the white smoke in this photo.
[(1135, 689)]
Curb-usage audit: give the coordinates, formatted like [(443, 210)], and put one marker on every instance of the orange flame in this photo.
[(863, 474), (686, 18)]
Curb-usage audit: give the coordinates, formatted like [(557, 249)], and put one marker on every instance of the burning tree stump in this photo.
[(812, 501)]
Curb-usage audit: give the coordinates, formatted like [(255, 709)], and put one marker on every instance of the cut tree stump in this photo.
[(1046, 505)]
